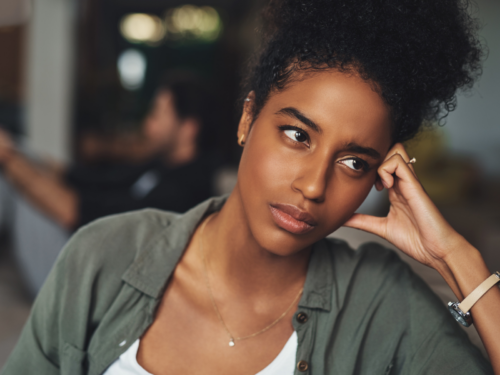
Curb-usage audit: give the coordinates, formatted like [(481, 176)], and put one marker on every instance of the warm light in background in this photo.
[(194, 22), (132, 68), (184, 22), (140, 27)]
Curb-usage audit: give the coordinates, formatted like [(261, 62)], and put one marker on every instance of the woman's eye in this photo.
[(355, 164), (296, 135)]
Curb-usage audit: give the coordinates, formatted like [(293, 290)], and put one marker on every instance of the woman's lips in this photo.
[(292, 219)]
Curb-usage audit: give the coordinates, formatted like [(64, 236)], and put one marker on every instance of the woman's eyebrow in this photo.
[(354, 147), (294, 112)]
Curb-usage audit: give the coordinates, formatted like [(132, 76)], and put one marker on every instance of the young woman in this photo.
[(248, 283)]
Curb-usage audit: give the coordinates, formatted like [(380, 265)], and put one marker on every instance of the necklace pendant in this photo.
[(231, 343)]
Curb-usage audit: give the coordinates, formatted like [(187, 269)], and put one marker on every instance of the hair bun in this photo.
[(418, 53)]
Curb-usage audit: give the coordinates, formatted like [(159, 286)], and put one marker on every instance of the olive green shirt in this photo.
[(362, 312)]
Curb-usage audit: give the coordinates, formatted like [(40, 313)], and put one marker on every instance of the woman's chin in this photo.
[(280, 242)]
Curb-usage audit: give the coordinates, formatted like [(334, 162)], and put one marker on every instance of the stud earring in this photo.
[(241, 140)]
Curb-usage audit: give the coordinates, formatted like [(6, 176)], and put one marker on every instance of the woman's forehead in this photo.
[(336, 102)]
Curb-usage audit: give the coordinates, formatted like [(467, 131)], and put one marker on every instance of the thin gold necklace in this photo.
[(232, 339)]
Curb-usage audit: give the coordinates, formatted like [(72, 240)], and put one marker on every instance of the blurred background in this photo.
[(82, 83)]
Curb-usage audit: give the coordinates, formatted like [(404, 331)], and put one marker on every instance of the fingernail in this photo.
[(385, 184)]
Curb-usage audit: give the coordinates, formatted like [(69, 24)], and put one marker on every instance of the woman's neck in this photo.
[(235, 257)]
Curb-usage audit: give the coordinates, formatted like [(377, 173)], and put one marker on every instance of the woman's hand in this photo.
[(414, 224), (416, 227)]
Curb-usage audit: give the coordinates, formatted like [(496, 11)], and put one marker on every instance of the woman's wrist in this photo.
[(465, 265), (461, 253)]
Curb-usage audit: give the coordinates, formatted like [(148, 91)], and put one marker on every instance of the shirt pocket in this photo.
[(74, 360)]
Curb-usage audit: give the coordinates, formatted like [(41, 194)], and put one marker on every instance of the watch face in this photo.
[(452, 307)]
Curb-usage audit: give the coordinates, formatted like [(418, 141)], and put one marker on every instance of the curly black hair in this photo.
[(417, 52)]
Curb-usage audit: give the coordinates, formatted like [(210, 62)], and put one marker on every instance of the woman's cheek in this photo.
[(346, 195), (272, 169), (260, 160)]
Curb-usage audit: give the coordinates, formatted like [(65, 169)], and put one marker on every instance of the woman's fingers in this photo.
[(396, 151), (396, 166), (368, 223), (378, 184), (399, 149)]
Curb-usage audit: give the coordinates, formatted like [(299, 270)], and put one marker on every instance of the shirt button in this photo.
[(302, 317), (302, 366)]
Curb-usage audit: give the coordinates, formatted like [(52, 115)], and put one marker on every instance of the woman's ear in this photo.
[(246, 118)]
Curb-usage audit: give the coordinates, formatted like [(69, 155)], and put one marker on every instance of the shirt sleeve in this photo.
[(53, 339), (37, 351), (439, 344), (78, 293)]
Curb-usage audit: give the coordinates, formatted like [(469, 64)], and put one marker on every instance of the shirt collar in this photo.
[(155, 263)]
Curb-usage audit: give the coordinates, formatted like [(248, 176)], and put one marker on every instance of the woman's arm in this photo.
[(415, 225)]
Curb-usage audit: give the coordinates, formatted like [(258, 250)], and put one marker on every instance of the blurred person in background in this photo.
[(41, 205)]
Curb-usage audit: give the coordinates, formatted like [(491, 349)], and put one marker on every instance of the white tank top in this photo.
[(283, 364)]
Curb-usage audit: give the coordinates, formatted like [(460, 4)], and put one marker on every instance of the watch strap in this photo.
[(477, 293)]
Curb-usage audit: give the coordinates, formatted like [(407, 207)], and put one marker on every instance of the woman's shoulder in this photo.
[(139, 225), (376, 290), (112, 243), (373, 267), (371, 257)]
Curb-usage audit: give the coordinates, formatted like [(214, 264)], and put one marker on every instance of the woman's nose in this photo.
[(312, 180)]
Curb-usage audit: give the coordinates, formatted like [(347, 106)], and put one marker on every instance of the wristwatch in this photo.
[(460, 311), (464, 319)]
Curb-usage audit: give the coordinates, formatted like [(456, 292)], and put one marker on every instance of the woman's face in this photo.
[(310, 159)]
